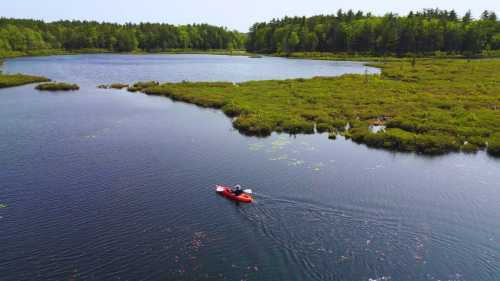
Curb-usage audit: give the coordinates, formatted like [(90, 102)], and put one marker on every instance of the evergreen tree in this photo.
[(424, 32), (29, 35)]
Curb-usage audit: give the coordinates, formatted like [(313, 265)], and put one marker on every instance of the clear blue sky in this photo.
[(233, 14)]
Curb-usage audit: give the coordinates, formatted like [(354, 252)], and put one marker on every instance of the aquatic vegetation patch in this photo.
[(281, 157), (280, 143), (140, 86), (296, 162), (12, 80), (116, 86), (317, 167), (57, 87), (429, 106), (256, 146)]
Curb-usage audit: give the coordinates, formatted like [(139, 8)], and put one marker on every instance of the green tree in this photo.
[(423, 32), (293, 41)]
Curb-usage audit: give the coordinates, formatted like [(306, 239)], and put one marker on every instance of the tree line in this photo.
[(29, 35), (424, 32)]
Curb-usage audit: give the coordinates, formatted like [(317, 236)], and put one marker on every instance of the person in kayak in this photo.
[(237, 190)]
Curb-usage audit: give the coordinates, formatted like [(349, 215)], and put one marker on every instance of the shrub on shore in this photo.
[(57, 87), (469, 148), (252, 125), (324, 127), (297, 126), (494, 145)]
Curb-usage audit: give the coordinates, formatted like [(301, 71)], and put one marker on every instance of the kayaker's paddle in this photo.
[(248, 191)]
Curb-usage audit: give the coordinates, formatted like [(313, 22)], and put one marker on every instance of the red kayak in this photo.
[(228, 192)]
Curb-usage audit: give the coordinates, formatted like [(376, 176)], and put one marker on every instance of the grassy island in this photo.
[(116, 86), (139, 86), (429, 106), (12, 80), (57, 87)]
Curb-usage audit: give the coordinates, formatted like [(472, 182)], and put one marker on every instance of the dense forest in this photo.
[(423, 32), (29, 35)]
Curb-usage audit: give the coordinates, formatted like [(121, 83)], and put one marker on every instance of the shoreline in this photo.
[(61, 52), (423, 108), (427, 105), (14, 80), (328, 56), (8, 80)]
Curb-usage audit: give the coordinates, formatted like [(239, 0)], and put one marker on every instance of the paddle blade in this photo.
[(249, 191)]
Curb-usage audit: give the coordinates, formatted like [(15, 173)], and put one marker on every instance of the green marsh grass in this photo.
[(139, 86), (57, 87), (430, 106), (12, 80)]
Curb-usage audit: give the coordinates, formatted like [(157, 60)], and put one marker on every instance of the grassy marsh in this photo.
[(57, 87), (12, 80), (139, 86), (430, 106)]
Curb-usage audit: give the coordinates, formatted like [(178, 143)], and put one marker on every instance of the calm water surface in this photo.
[(175, 68), (109, 185)]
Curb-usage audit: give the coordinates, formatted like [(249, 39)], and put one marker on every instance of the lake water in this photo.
[(108, 68), (110, 185)]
